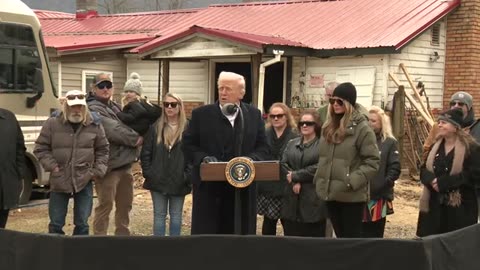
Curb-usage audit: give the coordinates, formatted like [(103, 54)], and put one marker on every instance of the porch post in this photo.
[(165, 76), (255, 60)]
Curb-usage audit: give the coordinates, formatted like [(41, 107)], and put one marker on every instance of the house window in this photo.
[(436, 35), (88, 77)]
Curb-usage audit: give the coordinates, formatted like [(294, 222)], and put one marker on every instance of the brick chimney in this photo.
[(86, 9), (462, 62)]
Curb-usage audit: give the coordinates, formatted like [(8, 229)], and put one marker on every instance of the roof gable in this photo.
[(317, 24)]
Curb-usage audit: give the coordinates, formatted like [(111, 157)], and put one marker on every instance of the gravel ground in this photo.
[(401, 224)]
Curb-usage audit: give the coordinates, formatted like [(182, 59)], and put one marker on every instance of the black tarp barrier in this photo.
[(459, 250)]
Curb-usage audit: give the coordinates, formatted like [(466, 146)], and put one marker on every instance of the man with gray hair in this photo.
[(216, 133), (323, 111), (72, 146)]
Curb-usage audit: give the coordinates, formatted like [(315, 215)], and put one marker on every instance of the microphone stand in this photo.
[(238, 199)]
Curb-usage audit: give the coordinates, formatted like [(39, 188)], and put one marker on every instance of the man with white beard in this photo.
[(72, 146)]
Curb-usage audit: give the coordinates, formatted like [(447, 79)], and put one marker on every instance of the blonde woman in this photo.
[(280, 129), (348, 159), (163, 166), (381, 186), (449, 176)]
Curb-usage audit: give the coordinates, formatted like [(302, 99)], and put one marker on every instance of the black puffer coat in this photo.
[(164, 169), (381, 187), (139, 115)]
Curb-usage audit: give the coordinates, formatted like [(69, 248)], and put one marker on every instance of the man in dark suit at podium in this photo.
[(215, 134)]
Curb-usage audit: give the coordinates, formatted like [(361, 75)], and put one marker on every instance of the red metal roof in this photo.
[(83, 42), (110, 30), (317, 24), (244, 38), (47, 14)]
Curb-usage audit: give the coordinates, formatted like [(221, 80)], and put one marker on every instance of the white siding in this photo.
[(54, 72), (329, 68), (72, 73), (189, 80), (148, 71), (201, 47), (416, 58)]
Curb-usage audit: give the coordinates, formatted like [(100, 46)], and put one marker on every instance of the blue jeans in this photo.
[(175, 210), (82, 208)]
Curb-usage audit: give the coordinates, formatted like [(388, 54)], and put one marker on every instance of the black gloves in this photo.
[(209, 159)]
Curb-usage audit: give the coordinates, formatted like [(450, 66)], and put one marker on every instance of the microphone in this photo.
[(229, 108)]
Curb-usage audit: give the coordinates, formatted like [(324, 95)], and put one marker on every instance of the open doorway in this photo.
[(273, 91), (273, 87), (242, 68)]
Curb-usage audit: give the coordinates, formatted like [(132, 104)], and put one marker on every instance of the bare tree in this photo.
[(115, 6), (153, 4), (164, 4), (175, 4)]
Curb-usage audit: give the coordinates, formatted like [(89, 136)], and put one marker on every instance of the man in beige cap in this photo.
[(72, 146)]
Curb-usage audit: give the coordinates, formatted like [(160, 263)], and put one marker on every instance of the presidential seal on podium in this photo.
[(240, 172)]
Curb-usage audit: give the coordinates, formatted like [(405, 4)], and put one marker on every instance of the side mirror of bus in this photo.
[(37, 87)]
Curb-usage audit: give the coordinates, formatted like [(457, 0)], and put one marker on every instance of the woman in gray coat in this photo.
[(303, 213)]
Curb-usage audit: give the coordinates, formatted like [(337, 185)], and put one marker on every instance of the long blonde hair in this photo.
[(288, 114), (386, 131), (336, 125), (165, 133)]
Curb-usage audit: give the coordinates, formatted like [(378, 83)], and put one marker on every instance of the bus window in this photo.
[(20, 64)]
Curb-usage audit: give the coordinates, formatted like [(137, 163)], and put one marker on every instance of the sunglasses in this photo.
[(306, 123), (337, 100), (73, 97), (276, 116), (105, 84), (460, 104), (172, 105)]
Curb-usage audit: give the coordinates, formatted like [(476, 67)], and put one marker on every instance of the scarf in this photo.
[(454, 197)]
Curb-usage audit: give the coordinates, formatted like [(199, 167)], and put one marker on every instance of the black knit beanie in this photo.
[(453, 116), (346, 91)]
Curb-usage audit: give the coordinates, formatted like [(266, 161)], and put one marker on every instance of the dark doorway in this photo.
[(274, 76), (239, 68), (273, 91)]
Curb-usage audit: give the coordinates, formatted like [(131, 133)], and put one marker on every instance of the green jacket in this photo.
[(344, 169), (323, 112)]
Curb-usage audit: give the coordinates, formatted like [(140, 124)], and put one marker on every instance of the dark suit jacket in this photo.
[(210, 134), (12, 159)]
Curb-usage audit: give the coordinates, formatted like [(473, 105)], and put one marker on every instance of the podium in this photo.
[(240, 172)]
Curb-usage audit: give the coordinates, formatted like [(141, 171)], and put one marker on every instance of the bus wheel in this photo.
[(26, 189)]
